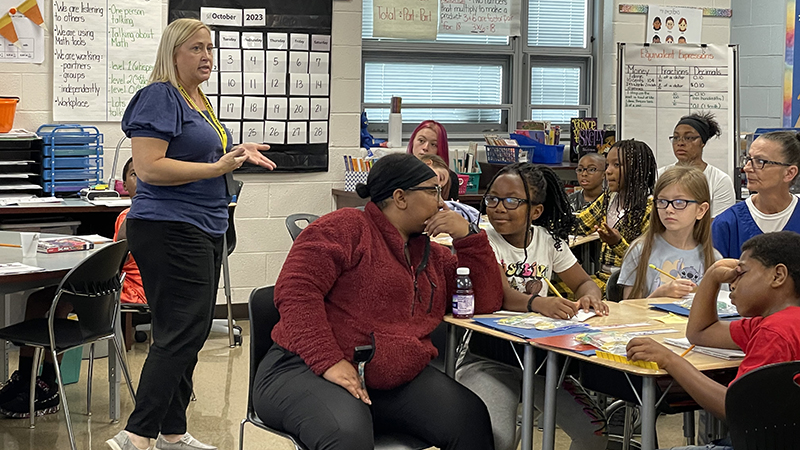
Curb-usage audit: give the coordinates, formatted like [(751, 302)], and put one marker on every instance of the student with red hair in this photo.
[(430, 138)]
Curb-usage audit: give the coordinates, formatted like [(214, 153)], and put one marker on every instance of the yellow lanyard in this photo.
[(223, 136)]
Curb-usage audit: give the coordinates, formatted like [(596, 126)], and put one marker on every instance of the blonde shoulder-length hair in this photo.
[(694, 183), (175, 35)]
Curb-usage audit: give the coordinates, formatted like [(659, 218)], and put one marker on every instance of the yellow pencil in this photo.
[(687, 351), (552, 288), (665, 273), (11, 245)]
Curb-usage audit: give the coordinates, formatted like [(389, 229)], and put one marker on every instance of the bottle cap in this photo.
[(462, 271)]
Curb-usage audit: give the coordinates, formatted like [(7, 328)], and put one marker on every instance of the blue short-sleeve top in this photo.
[(159, 111)]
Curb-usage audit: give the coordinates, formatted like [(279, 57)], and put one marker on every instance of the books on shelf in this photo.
[(64, 244)]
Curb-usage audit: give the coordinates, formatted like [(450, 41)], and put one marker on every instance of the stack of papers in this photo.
[(17, 268), (722, 353)]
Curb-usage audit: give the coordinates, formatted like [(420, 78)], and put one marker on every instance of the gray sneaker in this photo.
[(122, 442), (187, 442)]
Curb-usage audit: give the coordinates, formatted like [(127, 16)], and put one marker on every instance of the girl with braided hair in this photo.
[(622, 213), (531, 219)]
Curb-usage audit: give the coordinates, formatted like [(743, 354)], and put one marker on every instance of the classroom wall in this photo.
[(760, 30), (267, 199), (618, 27)]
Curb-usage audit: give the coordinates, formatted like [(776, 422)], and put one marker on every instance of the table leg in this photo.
[(528, 369), (5, 313), (450, 352), (550, 392), (648, 413)]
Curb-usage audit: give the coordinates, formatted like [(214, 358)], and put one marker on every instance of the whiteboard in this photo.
[(657, 84)]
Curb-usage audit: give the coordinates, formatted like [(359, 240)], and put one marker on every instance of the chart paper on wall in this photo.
[(660, 83)]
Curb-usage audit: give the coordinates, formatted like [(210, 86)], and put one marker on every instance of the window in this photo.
[(468, 82)]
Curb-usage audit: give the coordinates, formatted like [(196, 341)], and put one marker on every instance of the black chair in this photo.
[(291, 223), (92, 288), (613, 290), (761, 408), (263, 317)]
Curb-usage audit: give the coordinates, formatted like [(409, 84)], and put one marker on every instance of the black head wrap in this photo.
[(395, 171), (699, 125)]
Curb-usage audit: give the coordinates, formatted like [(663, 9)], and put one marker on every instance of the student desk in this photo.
[(94, 219), (633, 311), (56, 266)]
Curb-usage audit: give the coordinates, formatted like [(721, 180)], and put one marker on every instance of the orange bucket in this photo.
[(8, 107)]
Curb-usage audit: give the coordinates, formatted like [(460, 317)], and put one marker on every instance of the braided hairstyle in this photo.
[(638, 175), (542, 187)]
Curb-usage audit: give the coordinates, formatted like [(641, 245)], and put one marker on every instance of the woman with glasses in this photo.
[(771, 168), (688, 139), (531, 220), (355, 278), (590, 172), (677, 243)]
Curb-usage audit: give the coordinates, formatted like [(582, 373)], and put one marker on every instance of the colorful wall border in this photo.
[(707, 12), (791, 84)]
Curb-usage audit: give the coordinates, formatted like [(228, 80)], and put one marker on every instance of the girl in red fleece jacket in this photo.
[(352, 275)]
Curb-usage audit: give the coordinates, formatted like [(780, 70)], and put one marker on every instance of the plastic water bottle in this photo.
[(464, 298)]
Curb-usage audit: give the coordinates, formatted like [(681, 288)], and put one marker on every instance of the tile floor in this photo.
[(221, 388)]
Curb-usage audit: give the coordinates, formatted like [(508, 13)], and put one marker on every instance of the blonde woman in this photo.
[(175, 227)]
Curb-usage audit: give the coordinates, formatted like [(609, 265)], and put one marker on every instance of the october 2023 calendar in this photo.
[(271, 77)]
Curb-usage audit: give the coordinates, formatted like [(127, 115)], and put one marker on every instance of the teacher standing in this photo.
[(184, 158)]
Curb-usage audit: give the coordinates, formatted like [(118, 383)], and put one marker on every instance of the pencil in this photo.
[(11, 245), (687, 351), (665, 273), (552, 288)]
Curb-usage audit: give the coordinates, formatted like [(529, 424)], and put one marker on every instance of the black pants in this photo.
[(180, 267), (432, 407)]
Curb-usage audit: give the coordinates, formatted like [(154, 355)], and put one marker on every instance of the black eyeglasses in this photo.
[(438, 189), (759, 163), (679, 139), (591, 170), (678, 204), (492, 201)]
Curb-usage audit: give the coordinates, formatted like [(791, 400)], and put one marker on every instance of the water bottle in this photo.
[(464, 298)]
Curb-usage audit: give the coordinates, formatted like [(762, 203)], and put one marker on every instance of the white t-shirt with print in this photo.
[(543, 259)]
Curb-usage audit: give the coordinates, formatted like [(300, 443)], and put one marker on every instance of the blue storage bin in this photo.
[(69, 134), (474, 180), (81, 162), (67, 186), (72, 174), (57, 151), (71, 365), (546, 154)]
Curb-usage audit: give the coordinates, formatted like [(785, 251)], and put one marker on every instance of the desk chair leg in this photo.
[(37, 356), (124, 362), (241, 434), (688, 427), (226, 277), (64, 402), (89, 381)]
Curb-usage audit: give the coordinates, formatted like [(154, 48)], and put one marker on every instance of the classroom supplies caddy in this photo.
[(72, 157)]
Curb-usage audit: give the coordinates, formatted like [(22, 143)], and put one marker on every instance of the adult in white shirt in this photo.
[(688, 139), (771, 167)]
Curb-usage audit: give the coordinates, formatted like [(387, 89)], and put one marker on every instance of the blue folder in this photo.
[(680, 310), (529, 333)]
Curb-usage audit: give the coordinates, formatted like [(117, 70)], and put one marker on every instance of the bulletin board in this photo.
[(659, 83), (271, 77)]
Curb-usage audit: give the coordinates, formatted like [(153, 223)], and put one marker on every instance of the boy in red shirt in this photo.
[(132, 289), (765, 288)]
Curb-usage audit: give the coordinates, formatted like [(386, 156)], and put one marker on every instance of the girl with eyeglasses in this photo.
[(688, 140), (771, 168), (677, 242), (531, 219)]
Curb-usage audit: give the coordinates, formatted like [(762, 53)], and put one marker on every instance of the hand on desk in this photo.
[(447, 221), (675, 289), (590, 301), (608, 234), (646, 349), (555, 307), (345, 375)]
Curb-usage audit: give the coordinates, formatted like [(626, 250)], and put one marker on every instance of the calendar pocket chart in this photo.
[(270, 82)]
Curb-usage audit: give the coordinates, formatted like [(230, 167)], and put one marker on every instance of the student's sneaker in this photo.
[(122, 442), (47, 402), (13, 387), (187, 442)]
